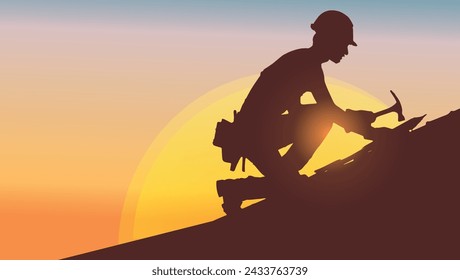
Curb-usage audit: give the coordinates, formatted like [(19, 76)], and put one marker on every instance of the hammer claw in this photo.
[(397, 108)]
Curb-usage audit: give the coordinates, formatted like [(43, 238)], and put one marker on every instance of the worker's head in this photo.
[(334, 33)]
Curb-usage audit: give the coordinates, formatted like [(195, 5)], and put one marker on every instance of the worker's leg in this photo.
[(263, 153), (278, 179)]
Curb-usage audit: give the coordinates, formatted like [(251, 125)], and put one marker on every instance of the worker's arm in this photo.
[(351, 120)]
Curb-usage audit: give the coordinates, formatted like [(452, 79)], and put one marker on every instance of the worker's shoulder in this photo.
[(296, 54), (296, 59), (303, 57)]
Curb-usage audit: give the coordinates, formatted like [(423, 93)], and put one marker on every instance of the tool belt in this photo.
[(229, 137)]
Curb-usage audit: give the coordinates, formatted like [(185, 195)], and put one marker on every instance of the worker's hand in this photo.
[(361, 116), (358, 121)]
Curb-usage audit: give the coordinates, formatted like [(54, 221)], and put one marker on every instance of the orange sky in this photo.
[(80, 104)]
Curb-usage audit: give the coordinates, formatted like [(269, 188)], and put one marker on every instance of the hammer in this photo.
[(395, 108)]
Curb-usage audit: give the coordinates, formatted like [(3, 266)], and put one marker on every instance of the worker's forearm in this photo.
[(357, 121)]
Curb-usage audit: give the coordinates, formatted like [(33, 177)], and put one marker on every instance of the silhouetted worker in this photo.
[(272, 115)]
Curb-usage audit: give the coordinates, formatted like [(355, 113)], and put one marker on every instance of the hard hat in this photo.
[(334, 23)]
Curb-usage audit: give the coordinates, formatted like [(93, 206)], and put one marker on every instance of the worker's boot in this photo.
[(235, 191), (232, 200)]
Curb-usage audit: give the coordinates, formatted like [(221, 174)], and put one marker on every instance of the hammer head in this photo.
[(397, 107)]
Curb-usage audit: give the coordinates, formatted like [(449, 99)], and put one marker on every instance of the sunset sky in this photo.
[(86, 86)]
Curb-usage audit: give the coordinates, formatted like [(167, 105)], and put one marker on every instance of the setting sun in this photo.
[(174, 186)]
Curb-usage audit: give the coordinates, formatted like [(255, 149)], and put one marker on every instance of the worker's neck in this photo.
[(319, 53)]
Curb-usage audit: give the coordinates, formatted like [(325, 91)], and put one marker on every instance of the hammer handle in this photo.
[(385, 111)]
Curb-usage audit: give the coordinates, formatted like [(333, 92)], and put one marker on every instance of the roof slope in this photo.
[(399, 200)]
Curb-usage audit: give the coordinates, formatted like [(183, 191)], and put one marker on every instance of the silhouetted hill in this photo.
[(397, 200)]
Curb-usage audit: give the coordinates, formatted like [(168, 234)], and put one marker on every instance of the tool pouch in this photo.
[(228, 138)]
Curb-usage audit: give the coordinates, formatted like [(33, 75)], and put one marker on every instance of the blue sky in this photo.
[(440, 16)]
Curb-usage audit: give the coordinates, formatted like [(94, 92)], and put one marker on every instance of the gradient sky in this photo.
[(85, 86)]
